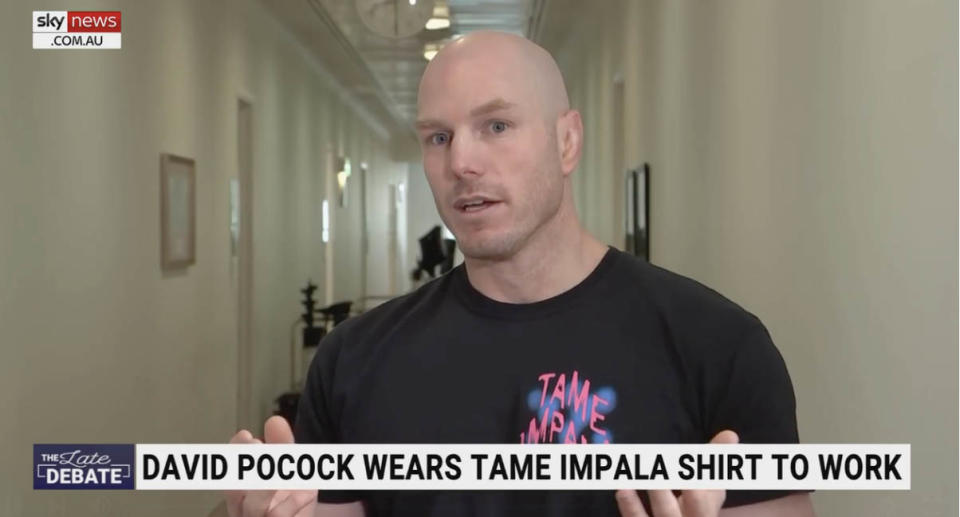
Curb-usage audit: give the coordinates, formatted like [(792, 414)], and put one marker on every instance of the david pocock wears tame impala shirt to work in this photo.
[(632, 354)]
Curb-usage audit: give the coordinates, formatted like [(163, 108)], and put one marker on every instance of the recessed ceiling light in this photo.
[(438, 23)]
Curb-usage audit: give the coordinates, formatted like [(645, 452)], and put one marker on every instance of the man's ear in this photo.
[(569, 140)]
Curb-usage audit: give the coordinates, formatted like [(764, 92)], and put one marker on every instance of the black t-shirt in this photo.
[(632, 354)]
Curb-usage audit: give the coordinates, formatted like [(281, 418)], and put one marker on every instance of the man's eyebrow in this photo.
[(489, 107), (428, 124), (497, 104)]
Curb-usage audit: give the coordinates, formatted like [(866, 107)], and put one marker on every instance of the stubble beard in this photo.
[(543, 206)]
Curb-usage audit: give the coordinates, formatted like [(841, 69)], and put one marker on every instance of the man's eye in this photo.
[(439, 138), (498, 126)]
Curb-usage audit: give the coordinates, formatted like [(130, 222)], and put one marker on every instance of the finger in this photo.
[(234, 498), (235, 502), (277, 430), (293, 504), (702, 503), (697, 503), (242, 436), (664, 504), (726, 436), (628, 502), (310, 508), (256, 503), (278, 497)]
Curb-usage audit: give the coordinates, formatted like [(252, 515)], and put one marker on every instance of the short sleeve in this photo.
[(750, 392), (314, 422)]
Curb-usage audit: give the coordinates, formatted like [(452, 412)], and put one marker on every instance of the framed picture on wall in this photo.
[(177, 211), (637, 217)]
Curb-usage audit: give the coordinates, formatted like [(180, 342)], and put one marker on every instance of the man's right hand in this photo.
[(275, 503), (693, 503)]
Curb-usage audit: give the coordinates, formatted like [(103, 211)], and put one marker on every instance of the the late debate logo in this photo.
[(83, 466)]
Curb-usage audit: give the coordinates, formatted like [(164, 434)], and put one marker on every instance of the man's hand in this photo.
[(275, 503), (692, 503)]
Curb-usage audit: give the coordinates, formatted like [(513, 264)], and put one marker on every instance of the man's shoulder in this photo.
[(682, 300)]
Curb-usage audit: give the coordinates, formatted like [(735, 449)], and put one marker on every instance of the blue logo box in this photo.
[(83, 466)]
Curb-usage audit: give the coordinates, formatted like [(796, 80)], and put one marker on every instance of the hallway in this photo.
[(802, 161)]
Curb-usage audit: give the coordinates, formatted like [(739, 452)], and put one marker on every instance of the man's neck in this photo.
[(551, 263)]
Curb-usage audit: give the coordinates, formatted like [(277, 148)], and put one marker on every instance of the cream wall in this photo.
[(384, 279), (804, 163), (97, 344)]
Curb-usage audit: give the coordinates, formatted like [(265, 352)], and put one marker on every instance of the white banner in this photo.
[(77, 40), (522, 467)]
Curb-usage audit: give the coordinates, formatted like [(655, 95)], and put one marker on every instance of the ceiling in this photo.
[(382, 74)]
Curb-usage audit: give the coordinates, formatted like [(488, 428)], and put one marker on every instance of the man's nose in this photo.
[(463, 156)]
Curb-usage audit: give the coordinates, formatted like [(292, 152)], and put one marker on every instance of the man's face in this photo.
[(490, 156)]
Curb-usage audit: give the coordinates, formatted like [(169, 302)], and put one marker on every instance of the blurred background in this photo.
[(163, 205)]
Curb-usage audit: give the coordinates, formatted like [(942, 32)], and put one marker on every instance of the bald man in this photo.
[(544, 334)]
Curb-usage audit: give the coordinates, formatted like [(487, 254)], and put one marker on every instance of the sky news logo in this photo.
[(83, 466), (76, 29)]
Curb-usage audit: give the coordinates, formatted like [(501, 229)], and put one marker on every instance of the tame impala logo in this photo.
[(568, 411)]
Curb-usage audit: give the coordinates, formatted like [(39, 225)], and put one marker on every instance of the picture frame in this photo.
[(178, 225), (637, 217)]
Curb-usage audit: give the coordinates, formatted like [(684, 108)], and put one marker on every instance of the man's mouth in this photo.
[(474, 204)]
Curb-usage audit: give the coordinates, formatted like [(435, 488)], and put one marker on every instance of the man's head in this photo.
[(499, 142)]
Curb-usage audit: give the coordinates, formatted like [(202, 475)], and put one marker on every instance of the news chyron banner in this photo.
[(472, 467), (76, 29)]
